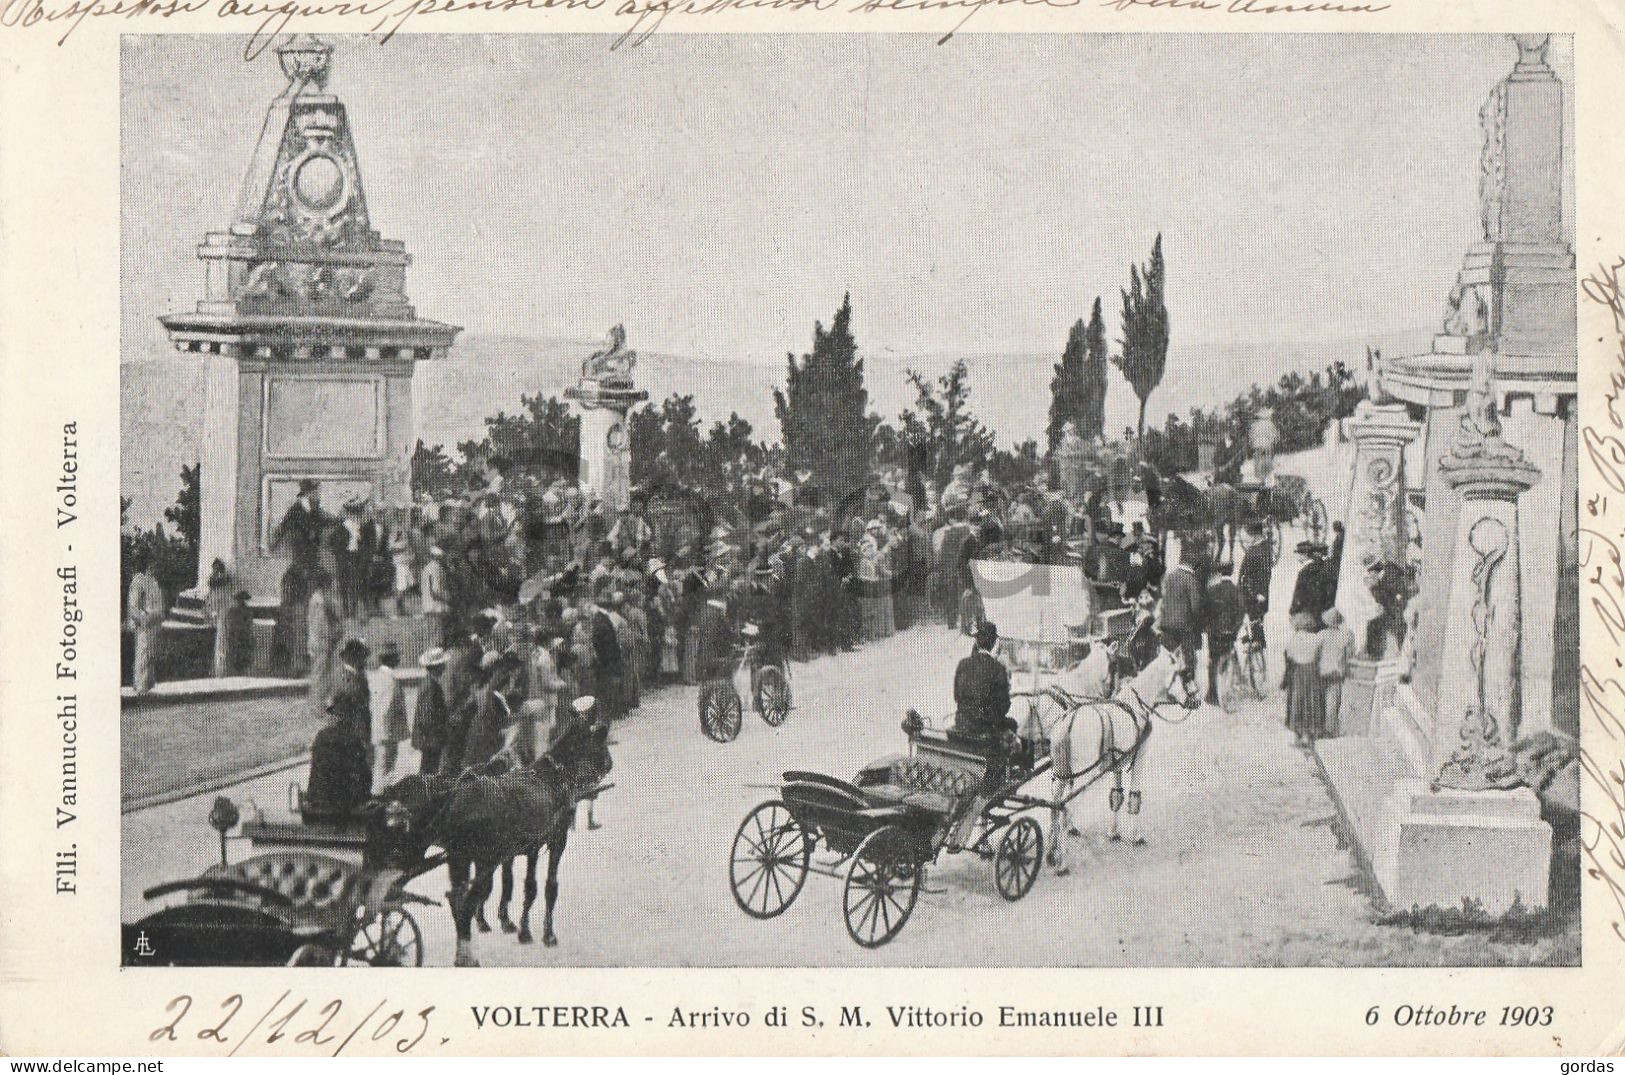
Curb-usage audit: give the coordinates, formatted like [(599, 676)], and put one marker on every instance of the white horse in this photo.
[(1091, 736)]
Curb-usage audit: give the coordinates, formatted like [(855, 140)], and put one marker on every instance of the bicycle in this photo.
[(1243, 669), (767, 684)]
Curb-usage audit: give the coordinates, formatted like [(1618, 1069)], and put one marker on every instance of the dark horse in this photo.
[(485, 821)]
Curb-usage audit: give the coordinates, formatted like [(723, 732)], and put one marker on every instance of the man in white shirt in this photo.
[(388, 708)]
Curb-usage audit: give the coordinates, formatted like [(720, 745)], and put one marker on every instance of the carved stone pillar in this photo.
[(606, 459), (1477, 711), (1374, 516), (605, 395)]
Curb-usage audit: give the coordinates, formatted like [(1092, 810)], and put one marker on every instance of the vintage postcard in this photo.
[(894, 527)]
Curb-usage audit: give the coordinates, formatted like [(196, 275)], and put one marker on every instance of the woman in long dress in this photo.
[(1305, 692)]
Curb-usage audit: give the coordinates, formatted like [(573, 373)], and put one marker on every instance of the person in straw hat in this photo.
[(429, 717)]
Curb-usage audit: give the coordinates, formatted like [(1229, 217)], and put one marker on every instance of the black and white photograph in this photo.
[(1097, 500)]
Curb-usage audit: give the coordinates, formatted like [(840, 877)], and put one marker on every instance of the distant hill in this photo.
[(161, 395)]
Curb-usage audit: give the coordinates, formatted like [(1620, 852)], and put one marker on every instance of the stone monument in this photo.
[(605, 394), (307, 338), (1423, 773), (1514, 299)]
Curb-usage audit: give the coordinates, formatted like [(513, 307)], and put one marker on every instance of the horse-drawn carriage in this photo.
[(950, 793), (319, 892), (1222, 510), (884, 828)]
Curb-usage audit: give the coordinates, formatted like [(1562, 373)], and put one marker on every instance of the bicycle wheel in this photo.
[(1255, 672), (720, 711), (773, 696)]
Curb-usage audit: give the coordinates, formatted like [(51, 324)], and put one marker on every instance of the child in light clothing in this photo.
[(1336, 648)]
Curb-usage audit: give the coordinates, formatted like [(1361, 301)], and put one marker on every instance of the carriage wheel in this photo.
[(881, 887), (1016, 866), (389, 938), (720, 716), (773, 696), (769, 861)]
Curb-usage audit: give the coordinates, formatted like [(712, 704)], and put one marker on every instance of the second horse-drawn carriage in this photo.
[(330, 887), (320, 891)]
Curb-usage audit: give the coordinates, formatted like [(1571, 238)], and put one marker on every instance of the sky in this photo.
[(718, 193)]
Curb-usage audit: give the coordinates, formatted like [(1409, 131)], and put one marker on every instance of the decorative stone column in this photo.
[(1374, 515), (1477, 712), (605, 395), (1428, 789), (1472, 831)]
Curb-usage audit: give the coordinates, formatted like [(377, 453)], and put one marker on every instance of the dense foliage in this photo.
[(1078, 389), (1300, 406), (823, 409), (1144, 354), (171, 556)]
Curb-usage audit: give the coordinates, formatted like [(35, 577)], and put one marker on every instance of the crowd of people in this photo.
[(535, 597)]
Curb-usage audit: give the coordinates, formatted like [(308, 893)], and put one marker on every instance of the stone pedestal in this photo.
[(606, 445), (1442, 848), (1375, 512), (308, 341)]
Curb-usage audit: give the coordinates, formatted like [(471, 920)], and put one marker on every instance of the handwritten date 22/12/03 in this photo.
[(1602, 837), (298, 1024)]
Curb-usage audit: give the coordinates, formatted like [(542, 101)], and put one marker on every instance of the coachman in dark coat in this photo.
[(982, 700)]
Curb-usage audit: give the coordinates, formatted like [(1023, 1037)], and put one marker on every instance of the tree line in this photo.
[(829, 435)]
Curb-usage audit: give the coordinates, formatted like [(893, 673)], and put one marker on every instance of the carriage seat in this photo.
[(323, 889), (941, 773)]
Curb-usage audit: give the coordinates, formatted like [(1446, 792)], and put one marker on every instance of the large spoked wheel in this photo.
[(769, 861), (1015, 868), (773, 695), (720, 714), (388, 938), (882, 885)]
